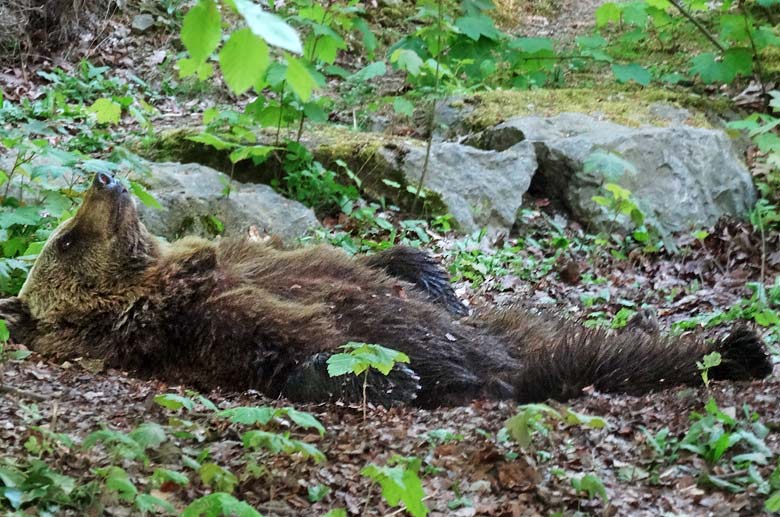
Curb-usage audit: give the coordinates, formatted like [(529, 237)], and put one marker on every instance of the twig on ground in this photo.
[(21, 393)]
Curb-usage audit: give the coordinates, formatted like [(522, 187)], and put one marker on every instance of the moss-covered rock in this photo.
[(463, 115)]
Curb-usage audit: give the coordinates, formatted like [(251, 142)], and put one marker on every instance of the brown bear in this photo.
[(238, 314)]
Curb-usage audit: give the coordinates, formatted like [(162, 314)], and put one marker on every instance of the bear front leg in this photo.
[(309, 382), (20, 323)]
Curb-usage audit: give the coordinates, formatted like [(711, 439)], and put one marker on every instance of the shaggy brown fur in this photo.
[(238, 314)]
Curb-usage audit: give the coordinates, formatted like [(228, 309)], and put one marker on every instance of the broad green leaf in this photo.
[(368, 72), (147, 503), (342, 364), (271, 28), (143, 195), (369, 39), (305, 420), (24, 216), (162, 475), (711, 70), (476, 26), (5, 335), (212, 140), (201, 30), (632, 72), (767, 318), (607, 13), (278, 443), (118, 480), (188, 66), (106, 111), (148, 435), (299, 79), (213, 475), (532, 45), (243, 59), (595, 422), (324, 47), (673, 78), (591, 485), (174, 402), (773, 503), (634, 13), (248, 415), (399, 484), (403, 107), (408, 60), (219, 504), (591, 42), (250, 151), (314, 112)]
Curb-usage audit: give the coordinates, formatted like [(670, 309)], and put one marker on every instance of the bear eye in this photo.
[(65, 242)]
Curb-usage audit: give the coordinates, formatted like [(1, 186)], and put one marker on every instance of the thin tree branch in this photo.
[(698, 25), (759, 65), (432, 114)]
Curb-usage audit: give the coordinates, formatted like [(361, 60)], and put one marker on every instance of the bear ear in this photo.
[(16, 315)]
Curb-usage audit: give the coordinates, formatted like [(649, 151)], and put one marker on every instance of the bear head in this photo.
[(91, 259)]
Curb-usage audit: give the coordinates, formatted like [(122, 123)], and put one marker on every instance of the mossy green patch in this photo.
[(631, 108)]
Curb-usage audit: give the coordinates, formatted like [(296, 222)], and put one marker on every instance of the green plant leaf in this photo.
[(399, 484), (201, 31), (299, 79), (591, 485), (304, 419), (106, 111), (632, 72), (188, 66), (477, 26), (118, 480), (317, 493), (607, 13), (773, 503), (174, 402), (368, 72), (258, 152), (5, 335), (143, 195), (148, 435), (147, 503), (161, 475), (595, 422), (342, 364), (271, 28), (243, 59), (403, 107), (532, 45), (278, 443), (248, 415), (220, 478), (212, 140), (736, 61), (218, 504), (408, 60)]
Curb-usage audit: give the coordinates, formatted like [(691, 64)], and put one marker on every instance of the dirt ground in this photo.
[(475, 467), (467, 468)]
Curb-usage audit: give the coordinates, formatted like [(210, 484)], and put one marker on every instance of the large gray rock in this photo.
[(193, 202), (479, 188), (681, 177)]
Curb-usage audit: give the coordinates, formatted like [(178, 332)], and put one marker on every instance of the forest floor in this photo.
[(662, 453)]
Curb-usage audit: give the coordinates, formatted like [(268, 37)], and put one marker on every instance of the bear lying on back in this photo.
[(238, 314)]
